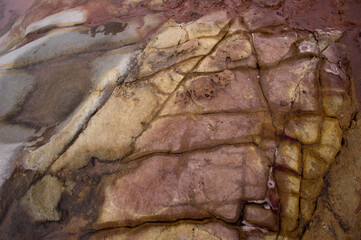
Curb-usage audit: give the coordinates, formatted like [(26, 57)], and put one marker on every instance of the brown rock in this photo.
[(289, 84), (272, 49), (184, 133), (311, 188), (288, 182), (289, 156), (313, 165), (231, 91), (211, 231), (42, 199), (289, 212), (307, 208), (190, 185), (258, 215), (304, 128), (235, 51), (130, 105)]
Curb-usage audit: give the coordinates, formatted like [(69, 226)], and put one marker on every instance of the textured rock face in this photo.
[(130, 125)]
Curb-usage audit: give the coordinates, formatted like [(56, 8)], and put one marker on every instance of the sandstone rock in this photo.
[(185, 186), (289, 84), (337, 215), (211, 231), (311, 188), (234, 51), (289, 156), (313, 165), (106, 70), (168, 80), (289, 212), (166, 122), (288, 182), (255, 18), (258, 215), (271, 50), (42, 199), (182, 133), (238, 90), (307, 208), (153, 60), (210, 25), (131, 106), (169, 37), (305, 128)]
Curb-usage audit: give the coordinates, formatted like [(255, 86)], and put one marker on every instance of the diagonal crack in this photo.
[(157, 112)]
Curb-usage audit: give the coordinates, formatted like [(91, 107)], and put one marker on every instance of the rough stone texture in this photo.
[(180, 120), (185, 186), (211, 231), (338, 209), (42, 199)]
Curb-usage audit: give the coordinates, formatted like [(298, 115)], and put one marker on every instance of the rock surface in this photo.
[(162, 120)]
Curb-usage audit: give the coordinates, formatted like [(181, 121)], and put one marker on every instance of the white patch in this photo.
[(308, 47), (108, 68), (248, 227), (66, 18)]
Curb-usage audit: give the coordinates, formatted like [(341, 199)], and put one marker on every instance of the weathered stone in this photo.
[(12, 139), (289, 156), (234, 51), (169, 37), (186, 186), (327, 37), (308, 46), (333, 77), (211, 231), (291, 86), (272, 49), (311, 188), (230, 113), (66, 41), (238, 90), (331, 133), (210, 25), (66, 18), (307, 208), (168, 80), (182, 133), (288, 182), (256, 18), (304, 128), (313, 165), (338, 208), (131, 105), (153, 60), (289, 212), (336, 53), (42, 199), (106, 70), (260, 216)]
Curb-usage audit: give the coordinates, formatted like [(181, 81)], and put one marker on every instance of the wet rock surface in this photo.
[(162, 120)]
